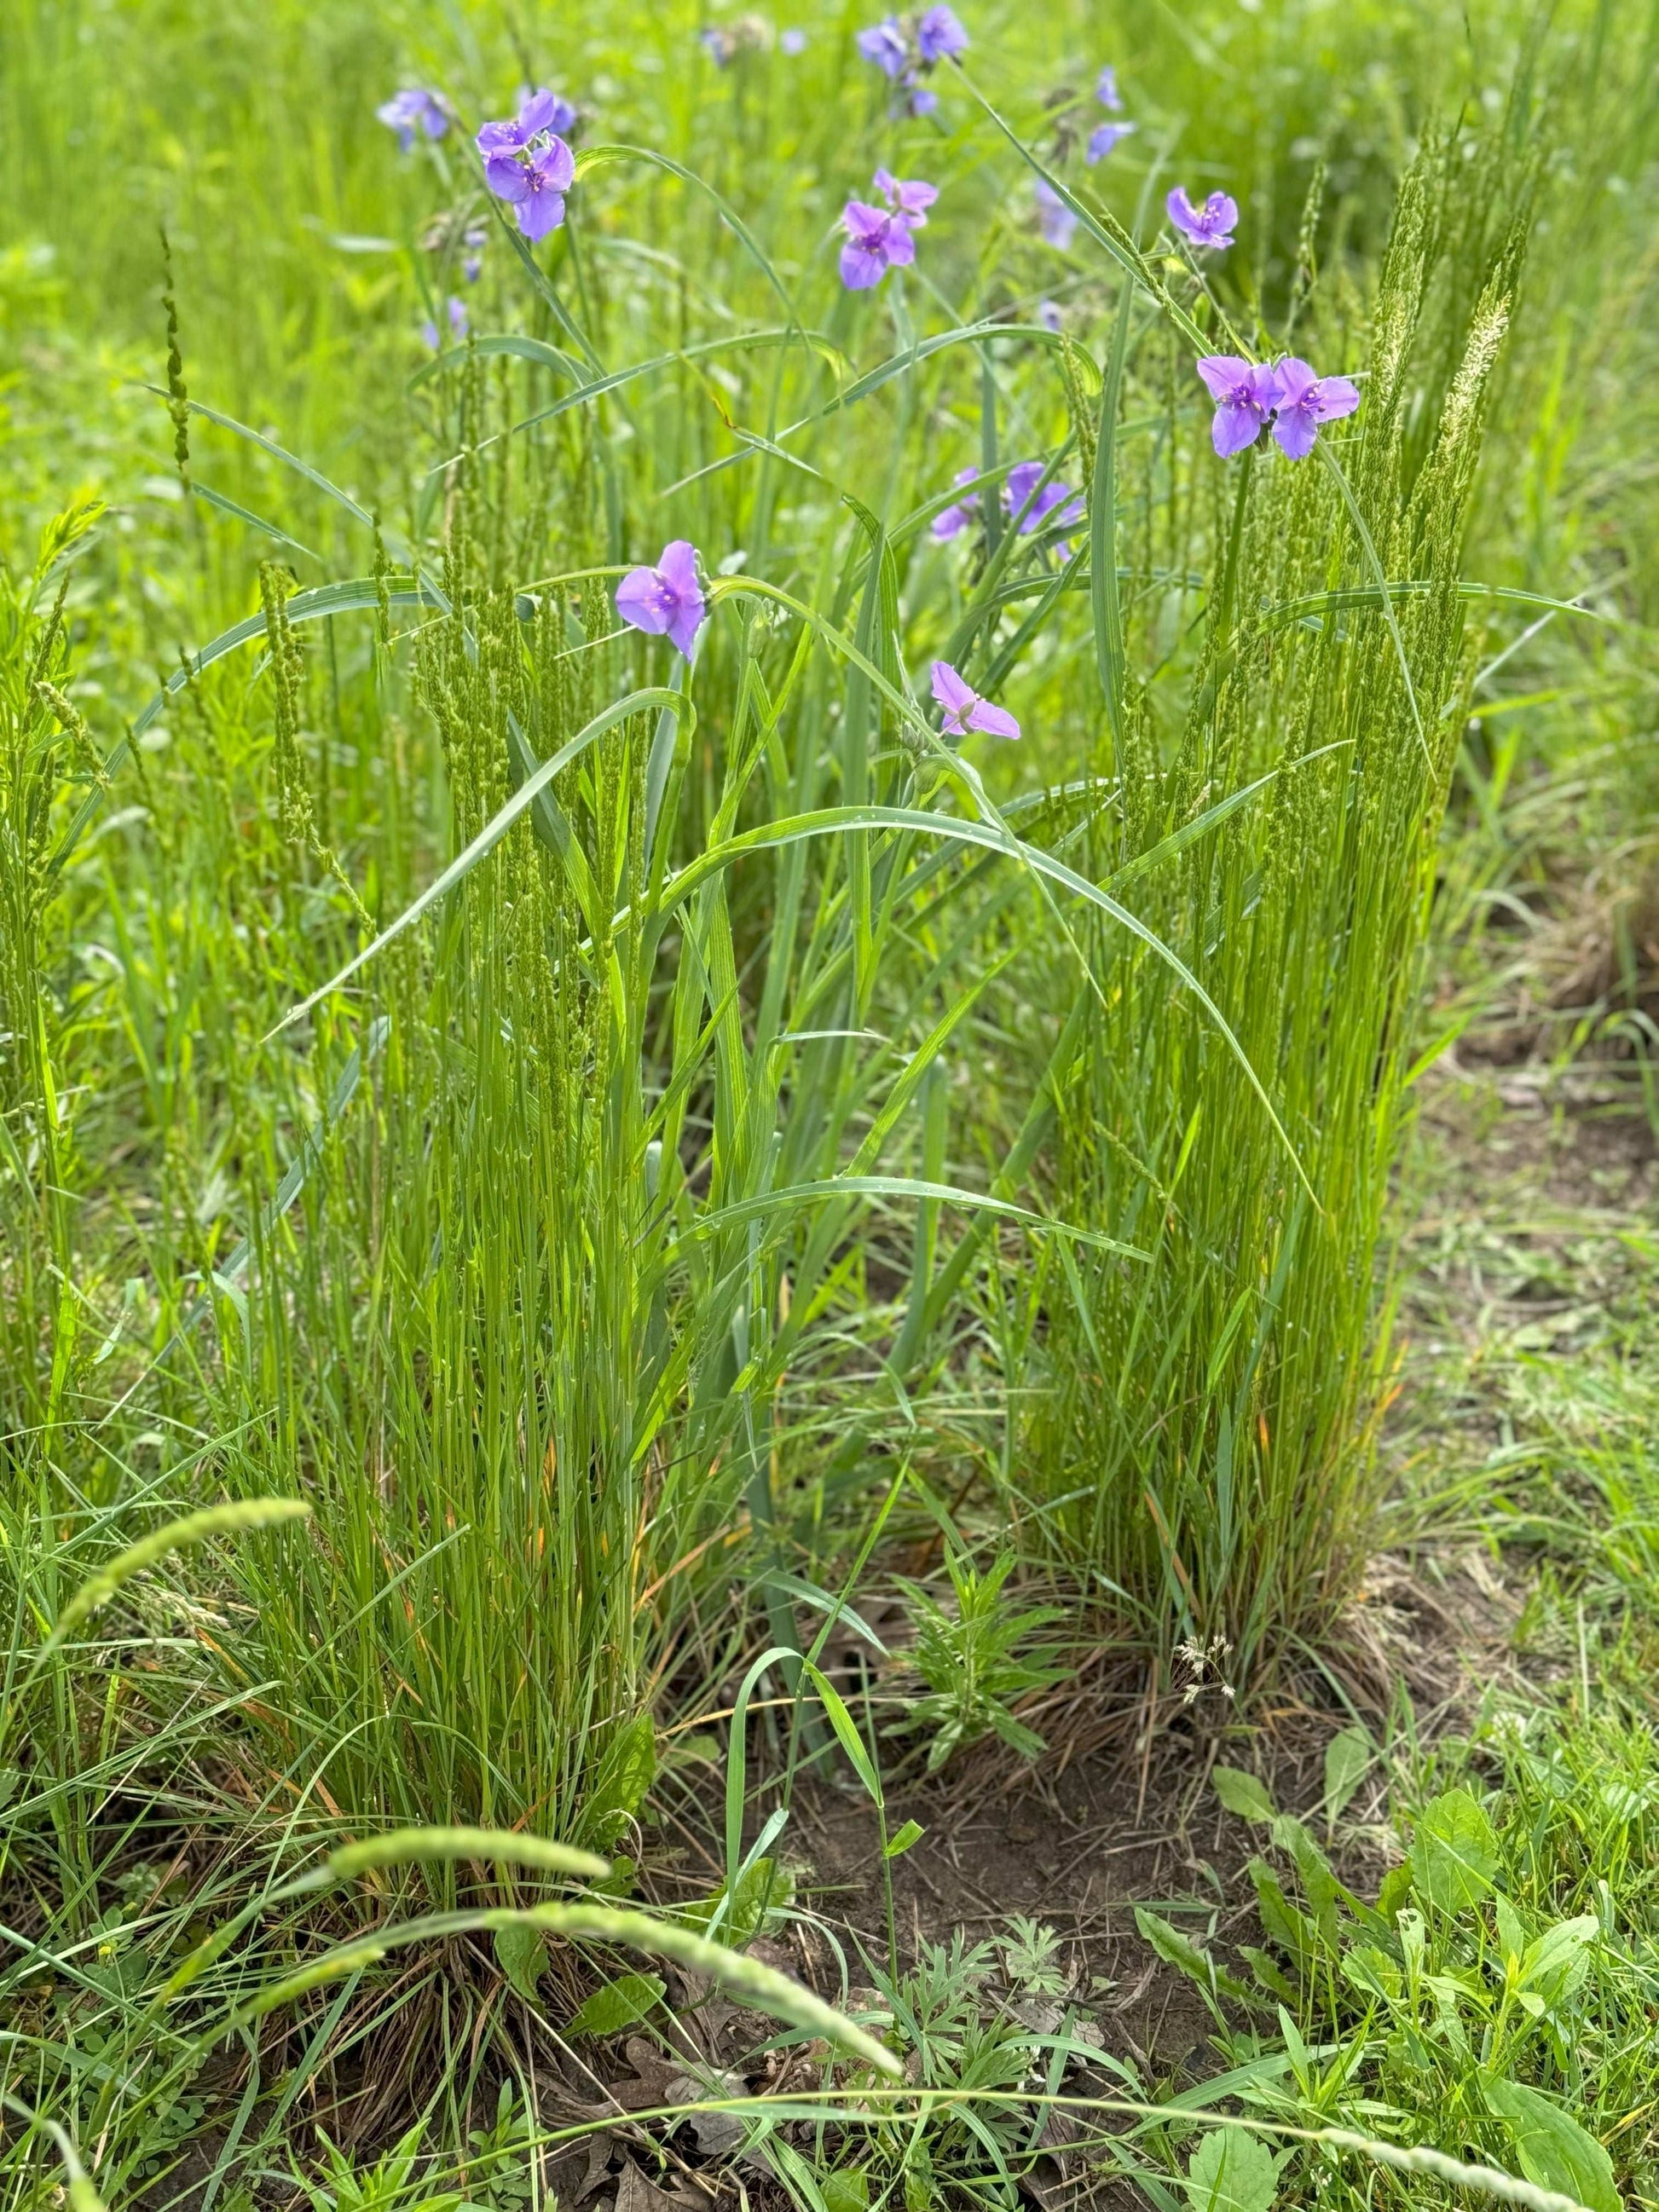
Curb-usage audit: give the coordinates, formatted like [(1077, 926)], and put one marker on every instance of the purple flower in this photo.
[(474, 238), (666, 601), (1049, 316), (953, 520), (1017, 495), (535, 187), (918, 98), (965, 710), (938, 35), (1210, 225), (909, 198), (1305, 401), (877, 240), (791, 42), (1102, 141), (719, 45), (539, 113), (1244, 394), (1106, 91), (1057, 219), (885, 45), (458, 324), (414, 109)]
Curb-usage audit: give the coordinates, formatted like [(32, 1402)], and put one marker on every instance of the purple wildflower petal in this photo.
[(430, 337), (1106, 91), (507, 179), (1102, 141), (1221, 371), (938, 33), (885, 44), (1058, 222), (995, 721), (1338, 396), (1235, 428), (556, 166), (791, 41), (861, 269), (641, 601), (1048, 315), (542, 212), (535, 115), (1295, 429)]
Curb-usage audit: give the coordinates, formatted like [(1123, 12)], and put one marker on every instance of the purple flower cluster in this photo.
[(1105, 135), (882, 238), (668, 600), (1054, 502), (1248, 393), (528, 164), (908, 49), (415, 109), (1210, 225)]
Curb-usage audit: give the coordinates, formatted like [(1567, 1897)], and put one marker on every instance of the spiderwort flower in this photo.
[(965, 710), (1048, 314), (1106, 91), (536, 187), (940, 34), (791, 41), (1211, 225), (1057, 220), (1245, 394), (885, 45), (414, 108), (1102, 141), (1018, 490), (666, 601), (878, 239), (1304, 402), (952, 520), (918, 98), (908, 197)]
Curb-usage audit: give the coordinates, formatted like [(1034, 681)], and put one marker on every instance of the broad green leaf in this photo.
[(521, 1955), (1454, 1854), (1347, 1755), (617, 2004), (1232, 2171), (1186, 1957), (1242, 1794), (1554, 2151), (846, 2189), (626, 1773), (911, 1833)]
